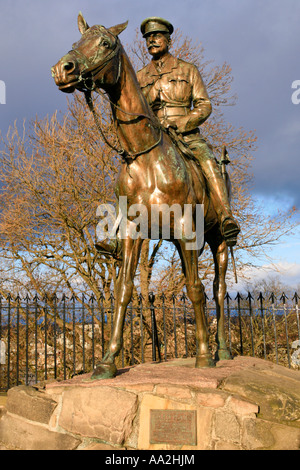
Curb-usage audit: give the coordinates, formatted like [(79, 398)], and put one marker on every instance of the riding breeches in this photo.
[(210, 168)]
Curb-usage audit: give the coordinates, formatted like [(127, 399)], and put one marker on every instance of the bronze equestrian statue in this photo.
[(156, 172)]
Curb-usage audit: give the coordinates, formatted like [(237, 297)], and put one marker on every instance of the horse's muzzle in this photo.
[(66, 75)]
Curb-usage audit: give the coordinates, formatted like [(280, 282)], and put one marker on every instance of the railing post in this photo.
[(54, 338), (102, 324), (18, 340), (46, 337), (154, 328), (64, 335), (249, 298), (183, 298), (140, 299), (27, 339), (35, 298), (239, 298), (131, 333), (92, 300), (8, 339), (261, 299), (174, 323), (83, 332), (227, 297), (272, 298), (73, 299), (163, 297), (112, 312), (283, 298)]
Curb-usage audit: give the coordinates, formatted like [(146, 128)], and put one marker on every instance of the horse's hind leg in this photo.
[(220, 253), (195, 293), (131, 252)]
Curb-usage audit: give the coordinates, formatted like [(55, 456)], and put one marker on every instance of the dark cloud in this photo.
[(259, 39)]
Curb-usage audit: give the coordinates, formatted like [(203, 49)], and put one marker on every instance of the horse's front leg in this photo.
[(130, 252)]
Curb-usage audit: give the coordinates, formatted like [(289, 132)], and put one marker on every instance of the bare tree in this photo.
[(52, 182), (54, 177)]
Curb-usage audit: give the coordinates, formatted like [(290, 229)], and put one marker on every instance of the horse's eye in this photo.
[(105, 44)]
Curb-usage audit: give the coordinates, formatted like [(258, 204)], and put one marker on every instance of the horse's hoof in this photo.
[(104, 371), (204, 361), (223, 355)]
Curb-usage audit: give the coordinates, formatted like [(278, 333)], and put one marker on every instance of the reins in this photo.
[(122, 152), (93, 71)]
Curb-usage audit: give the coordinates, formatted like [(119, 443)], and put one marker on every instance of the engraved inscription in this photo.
[(177, 427)]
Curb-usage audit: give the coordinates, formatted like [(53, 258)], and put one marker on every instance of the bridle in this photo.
[(90, 74), (92, 71)]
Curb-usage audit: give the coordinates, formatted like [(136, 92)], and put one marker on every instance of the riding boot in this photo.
[(218, 193)]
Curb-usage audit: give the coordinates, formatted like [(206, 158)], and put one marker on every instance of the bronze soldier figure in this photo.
[(172, 87)]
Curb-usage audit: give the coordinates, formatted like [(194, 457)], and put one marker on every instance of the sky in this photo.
[(258, 38)]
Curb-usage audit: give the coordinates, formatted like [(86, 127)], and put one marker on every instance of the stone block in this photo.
[(227, 426), (174, 391), (242, 407), (259, 434), (30, 404), (28, 436), (276, 390), (102, 413), (210, 399)]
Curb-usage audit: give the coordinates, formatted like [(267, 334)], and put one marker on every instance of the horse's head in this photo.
[(93, 61)]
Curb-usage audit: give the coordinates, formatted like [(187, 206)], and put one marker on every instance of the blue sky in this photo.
[(258, 38)]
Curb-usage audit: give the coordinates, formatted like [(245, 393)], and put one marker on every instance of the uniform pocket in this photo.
[(146, 83), (180, 88)]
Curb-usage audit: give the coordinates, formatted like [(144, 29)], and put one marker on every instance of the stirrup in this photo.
[(230, 230)]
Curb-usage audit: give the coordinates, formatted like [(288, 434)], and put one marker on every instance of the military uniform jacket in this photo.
[(176, 92)]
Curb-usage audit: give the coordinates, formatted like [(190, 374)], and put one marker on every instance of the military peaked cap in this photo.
[(156, 25)]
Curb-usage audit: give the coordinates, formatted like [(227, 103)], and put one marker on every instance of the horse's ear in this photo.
[(116, 30), (82, 24)]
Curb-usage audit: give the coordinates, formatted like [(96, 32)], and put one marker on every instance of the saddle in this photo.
[(181, 146)]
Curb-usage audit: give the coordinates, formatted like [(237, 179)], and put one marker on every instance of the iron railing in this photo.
[(59, 337)]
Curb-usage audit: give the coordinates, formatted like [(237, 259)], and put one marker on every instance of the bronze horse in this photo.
[(155, 173)]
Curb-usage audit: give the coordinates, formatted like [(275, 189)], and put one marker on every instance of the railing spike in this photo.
[(249, 296), (261, 297), (272, 298), (284, 297)]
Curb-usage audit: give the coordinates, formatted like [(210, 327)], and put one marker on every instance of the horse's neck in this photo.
[(135, 133)]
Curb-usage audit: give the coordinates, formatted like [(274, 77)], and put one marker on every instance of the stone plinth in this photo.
[(246, 404)]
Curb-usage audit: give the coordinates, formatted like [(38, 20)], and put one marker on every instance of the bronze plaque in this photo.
[(177, 427)]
